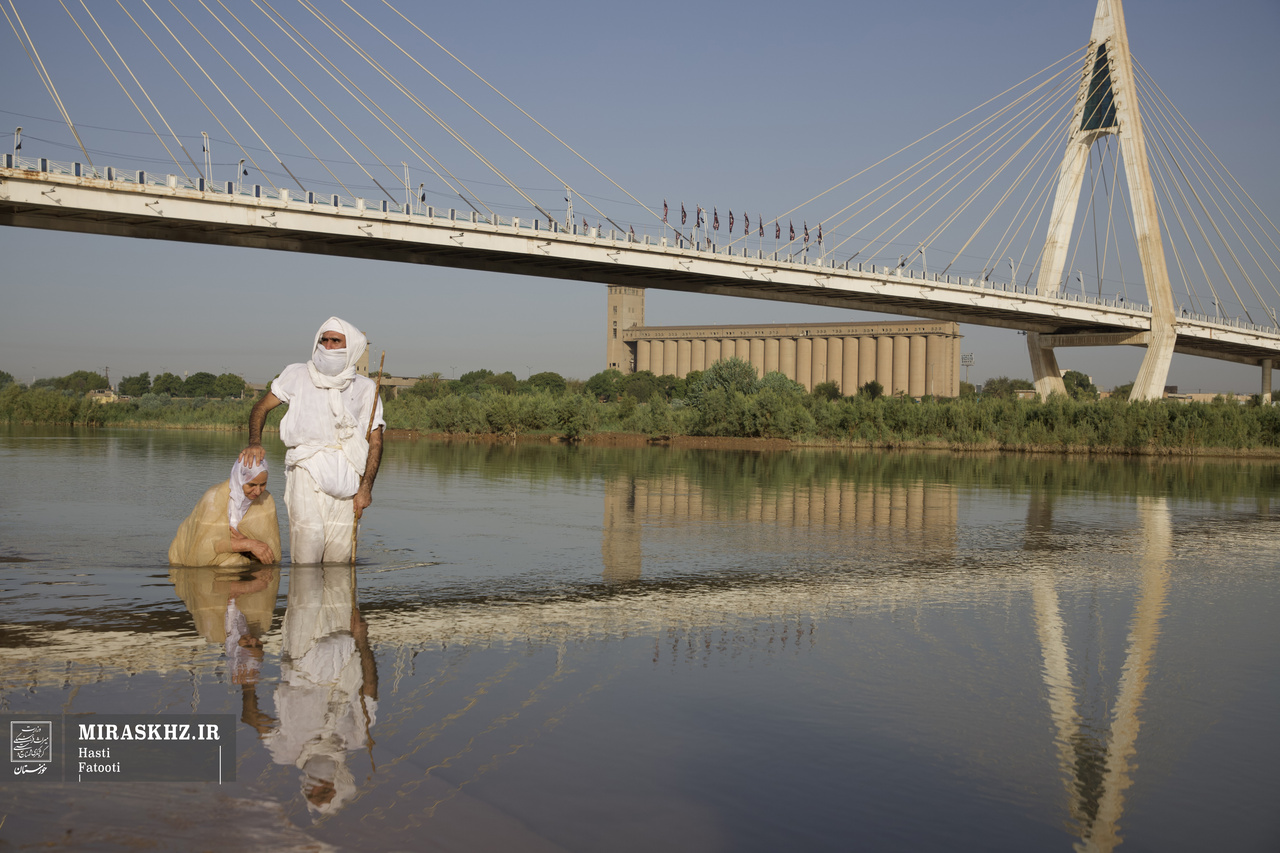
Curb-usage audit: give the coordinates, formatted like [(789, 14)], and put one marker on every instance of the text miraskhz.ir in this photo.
[(149, 731)]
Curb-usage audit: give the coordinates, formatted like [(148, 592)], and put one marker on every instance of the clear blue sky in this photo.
[(745, 104)]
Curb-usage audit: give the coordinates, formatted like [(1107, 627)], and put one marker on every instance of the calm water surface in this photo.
[(646, 649)]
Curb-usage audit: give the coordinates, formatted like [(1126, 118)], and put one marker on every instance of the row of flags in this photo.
[(746, 223)]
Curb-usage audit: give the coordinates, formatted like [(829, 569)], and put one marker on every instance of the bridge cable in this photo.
[(487, 121), (316, 52), (1163, 174), (654, 213), (1053, 225), (1205, 211), (359, 51), (215, 85), (1189, 158), (127, 94), (911, 171), (33, 54), (391, 78), (973, 196), (1038, 109), (314, 95), (1205, 147), (264, 100), (165, 57), (1052, 140), (1191, 149), (1006, 131), (930, 133), (924, 161)]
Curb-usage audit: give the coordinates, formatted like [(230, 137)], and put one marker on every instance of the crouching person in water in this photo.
[(233, 524)]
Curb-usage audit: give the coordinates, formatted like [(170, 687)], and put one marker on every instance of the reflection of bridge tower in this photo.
[(906, 513), (1097, 774), (1107, 102)]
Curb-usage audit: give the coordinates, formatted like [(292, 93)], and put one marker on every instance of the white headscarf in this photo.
[(238, 502), (336, 368)]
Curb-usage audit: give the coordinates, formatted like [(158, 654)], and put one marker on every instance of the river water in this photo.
[(602, 649)]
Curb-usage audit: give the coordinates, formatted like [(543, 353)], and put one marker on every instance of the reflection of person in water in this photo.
[(233, 606), (327, 696), (234, 523)]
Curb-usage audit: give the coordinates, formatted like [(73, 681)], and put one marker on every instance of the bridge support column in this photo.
[(1266, 382), (1154, 371), (1044, 368)]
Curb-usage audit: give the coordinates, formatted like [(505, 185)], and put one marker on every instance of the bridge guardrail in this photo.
[(338, 202)]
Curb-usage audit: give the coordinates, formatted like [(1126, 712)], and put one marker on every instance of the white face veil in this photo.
[(238, 502), (336, 368)]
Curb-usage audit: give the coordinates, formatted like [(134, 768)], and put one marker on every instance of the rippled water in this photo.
[(636, 649)]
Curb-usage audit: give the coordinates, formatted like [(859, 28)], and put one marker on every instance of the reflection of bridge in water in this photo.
[(699, 620), (783, 519)]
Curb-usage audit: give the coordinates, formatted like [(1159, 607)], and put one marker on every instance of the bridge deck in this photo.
[(62, 200)]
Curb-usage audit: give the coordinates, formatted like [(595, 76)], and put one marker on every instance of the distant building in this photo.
[(915, 358)]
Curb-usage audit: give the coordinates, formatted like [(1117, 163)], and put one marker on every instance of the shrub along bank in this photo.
[(731, 402)]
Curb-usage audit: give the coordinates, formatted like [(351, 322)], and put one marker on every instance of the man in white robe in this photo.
[(330, 466)]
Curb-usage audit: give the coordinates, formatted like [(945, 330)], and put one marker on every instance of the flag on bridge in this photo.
[(731, 222), (684, 217), (806, 232), (715, 223), (664, 211), (791, 226), (819, 233), (761, 219), (698, 224), (777, 230)]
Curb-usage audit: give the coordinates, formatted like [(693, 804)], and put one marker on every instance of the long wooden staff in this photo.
[(373, 411)]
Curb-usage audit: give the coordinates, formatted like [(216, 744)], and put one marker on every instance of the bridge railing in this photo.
[(804, 257)]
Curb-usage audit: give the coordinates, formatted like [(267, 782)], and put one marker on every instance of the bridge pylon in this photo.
[(1107, 103)]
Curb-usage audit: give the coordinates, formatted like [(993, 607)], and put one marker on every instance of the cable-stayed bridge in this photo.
[(947, 198)]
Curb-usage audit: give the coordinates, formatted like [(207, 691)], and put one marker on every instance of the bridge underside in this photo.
[(160, 213)]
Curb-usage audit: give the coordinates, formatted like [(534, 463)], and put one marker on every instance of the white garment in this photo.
[(330, 445), (319, 524), (323, 714), (237, 500)]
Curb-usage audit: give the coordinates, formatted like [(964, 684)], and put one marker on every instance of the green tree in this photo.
[(967, 391), (1122, 392), (5, 378), (136, 386), (470, 382), (228, 385), (167, 383), (604, 385), (671, 387), (779, 383), (729, 375), (1004, 388), (431, 386), (872, 389), (1079, 386), (829, 390), (549, 381), (640, 385), (81, 382), (199, 384), (505, 382)]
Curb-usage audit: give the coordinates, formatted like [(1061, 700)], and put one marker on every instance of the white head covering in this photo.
[(238, 502), (336, 368)]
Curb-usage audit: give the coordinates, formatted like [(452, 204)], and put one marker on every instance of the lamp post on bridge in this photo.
[(208, 160)]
